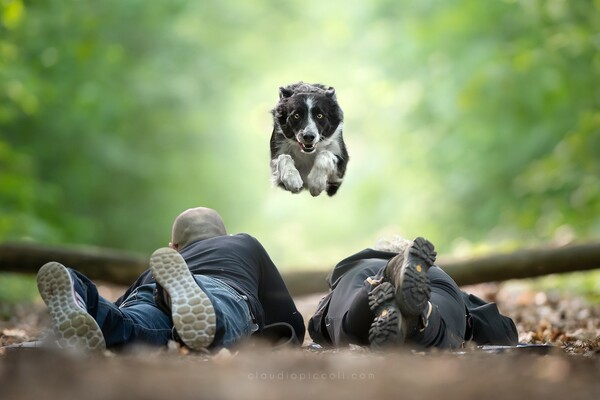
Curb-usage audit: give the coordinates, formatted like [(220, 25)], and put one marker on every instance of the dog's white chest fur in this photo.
[(304, 162), (296, 169)]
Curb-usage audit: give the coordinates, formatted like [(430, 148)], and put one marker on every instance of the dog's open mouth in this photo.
[(307, 147)]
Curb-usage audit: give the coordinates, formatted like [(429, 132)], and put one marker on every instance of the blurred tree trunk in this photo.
[(123, 268)]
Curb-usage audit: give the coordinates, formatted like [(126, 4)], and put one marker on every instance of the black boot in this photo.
[(401, 302)]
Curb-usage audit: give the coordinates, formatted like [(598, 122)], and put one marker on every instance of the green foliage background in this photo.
[(473, 123)]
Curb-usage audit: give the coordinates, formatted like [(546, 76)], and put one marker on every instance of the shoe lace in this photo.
[(424, 320)]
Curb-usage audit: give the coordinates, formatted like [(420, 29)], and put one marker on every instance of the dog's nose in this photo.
[(309, 137)]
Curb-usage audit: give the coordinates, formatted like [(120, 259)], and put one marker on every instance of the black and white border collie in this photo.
[(307, 146)]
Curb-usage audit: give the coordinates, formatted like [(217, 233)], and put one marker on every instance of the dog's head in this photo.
[(307, 114)]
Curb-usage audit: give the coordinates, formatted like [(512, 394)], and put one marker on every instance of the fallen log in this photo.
[(122, 267), (527, 263), (115, 266)]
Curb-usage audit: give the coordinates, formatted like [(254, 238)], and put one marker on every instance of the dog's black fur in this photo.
[(307, 146)]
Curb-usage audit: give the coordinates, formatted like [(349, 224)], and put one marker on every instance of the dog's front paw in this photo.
[(292, 181), (285, 174), (317, 182), (324, 167)]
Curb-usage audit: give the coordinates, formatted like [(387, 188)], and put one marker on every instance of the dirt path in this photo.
[(299, 374)]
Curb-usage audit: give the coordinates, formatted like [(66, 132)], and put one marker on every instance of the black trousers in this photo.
[(344, 316)]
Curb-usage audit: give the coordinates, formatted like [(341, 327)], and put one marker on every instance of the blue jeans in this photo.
[(139, 320)]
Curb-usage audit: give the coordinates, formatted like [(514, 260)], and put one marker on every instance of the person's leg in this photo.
[(136, 320), (349, 317), (234, 321), (446, 323), (81, 315)]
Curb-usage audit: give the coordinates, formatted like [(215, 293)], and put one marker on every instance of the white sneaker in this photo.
[(73, 326), (193, 314)]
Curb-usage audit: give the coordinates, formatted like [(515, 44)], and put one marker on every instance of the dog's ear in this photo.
[(330, 92), (280, 113), (285, 92)]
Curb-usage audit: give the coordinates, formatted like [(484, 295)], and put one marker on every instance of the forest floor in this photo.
[(568, 369)]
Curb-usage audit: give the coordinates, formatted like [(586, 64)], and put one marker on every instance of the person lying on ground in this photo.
[(207, 290), (397, 297)]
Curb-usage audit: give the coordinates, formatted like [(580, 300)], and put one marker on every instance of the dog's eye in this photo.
[(297, 116), (319, 116)]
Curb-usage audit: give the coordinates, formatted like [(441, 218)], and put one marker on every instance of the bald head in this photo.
[(196, 224)]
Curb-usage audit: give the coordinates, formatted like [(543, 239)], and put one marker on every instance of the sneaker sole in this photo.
[(386, 329), (193, 314), (413, 288), (74, 327)]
